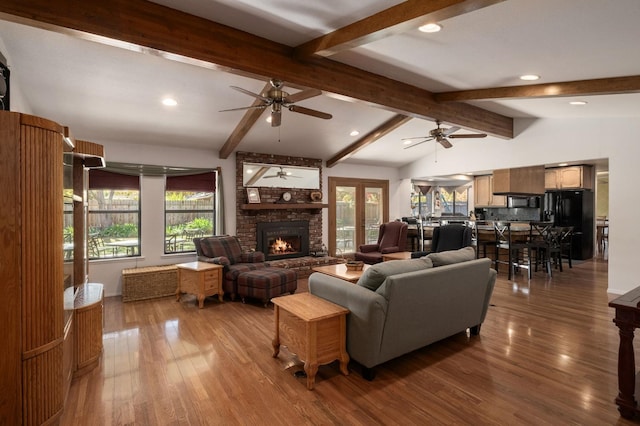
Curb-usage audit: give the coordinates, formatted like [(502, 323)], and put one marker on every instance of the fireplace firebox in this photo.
[(282, 240)]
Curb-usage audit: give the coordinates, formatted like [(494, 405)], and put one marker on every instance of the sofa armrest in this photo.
[(493, 274), (368, 248), (366, 319), (252, 257), (220, 260)]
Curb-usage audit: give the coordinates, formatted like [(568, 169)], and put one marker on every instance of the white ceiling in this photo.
[(106, 93)]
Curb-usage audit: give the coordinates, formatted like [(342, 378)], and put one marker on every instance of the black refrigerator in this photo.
[(573, 208)]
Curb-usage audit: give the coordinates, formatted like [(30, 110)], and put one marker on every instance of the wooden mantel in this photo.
[(284, 206)]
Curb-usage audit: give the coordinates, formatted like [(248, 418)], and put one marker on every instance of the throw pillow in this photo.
[(452, 256), (373, 277)]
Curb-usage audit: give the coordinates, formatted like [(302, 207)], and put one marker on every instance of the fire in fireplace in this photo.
[(281, 240)]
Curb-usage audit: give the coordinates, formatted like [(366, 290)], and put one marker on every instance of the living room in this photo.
[(576, 138)]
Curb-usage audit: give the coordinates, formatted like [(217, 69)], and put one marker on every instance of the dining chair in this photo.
[(540, 242), (561, 245)]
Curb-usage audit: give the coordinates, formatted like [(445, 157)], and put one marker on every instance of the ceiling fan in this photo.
[(281, 174), (276, 99), (440, 135)]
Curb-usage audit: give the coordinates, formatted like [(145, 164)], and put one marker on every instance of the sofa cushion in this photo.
[(373, 277), (452, 256)]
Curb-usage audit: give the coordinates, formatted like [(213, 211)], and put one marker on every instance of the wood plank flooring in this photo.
[(546, 354)]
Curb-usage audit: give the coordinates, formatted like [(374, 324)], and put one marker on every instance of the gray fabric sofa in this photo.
[(410, 310)]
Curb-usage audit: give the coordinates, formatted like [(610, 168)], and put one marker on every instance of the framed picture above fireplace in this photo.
[(253, 196)]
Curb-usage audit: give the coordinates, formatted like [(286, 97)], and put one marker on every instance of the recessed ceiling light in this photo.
[(169, 102), (268, 119), (430, 28), (563, 164), (354, 133), (529, 77), (578, 103), (407, 142)]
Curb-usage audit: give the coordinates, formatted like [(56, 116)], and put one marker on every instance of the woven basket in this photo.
[(149, 282), (354, 265)]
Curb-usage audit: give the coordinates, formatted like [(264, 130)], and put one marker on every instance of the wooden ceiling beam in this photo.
[(154, 29), (408, 15), (600, 86), (386, 127)]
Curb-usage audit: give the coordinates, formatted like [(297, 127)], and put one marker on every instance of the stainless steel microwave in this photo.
[(532, 202)]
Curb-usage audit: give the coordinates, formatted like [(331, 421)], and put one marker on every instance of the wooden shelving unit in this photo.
[(284, 206)]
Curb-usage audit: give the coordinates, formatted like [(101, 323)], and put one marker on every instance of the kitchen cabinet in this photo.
[(484, 197), (573, 177), (524, 181)]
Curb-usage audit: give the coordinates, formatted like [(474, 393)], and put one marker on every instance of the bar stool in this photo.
[(540, 241)]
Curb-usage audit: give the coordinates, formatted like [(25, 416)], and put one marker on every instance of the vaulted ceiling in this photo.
[(102, 70)]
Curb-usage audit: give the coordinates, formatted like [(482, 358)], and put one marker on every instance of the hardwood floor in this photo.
[(546, 354)]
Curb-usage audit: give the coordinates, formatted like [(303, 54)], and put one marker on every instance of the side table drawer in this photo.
[(211, 280), (293, 333)]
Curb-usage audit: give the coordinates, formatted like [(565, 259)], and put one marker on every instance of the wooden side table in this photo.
[(200, 278), (313, 328), (627, 319), (400, 255), (340, 270)]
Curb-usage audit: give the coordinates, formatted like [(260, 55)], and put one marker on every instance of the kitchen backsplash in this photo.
[(525, 214)]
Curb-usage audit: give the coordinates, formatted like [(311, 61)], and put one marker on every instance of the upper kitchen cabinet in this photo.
[(573, 177), (519, 181), (483, 186)]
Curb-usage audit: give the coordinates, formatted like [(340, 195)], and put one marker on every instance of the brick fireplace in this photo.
[(247, 220)]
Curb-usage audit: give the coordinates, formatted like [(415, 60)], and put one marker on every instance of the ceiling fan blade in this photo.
[(416, 138), (444, 142), (309, 111), (470, 135), (243, 108), (450, 130), (302, 95), (417, 143), (276, 118), (246, 92)]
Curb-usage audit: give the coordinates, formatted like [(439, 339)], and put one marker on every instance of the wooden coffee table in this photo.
[(313, 328), (340, 270), (400, 255)]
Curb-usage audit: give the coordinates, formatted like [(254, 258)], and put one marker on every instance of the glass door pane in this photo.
[(373, 213), (345, 219)]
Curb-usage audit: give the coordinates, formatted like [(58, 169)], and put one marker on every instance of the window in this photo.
[(454, 201), (189, 210), (114, 215)]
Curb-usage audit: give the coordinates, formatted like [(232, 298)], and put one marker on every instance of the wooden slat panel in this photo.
[(10, 360), (40, 197), (89, 148), (42, 262), (43, 390)]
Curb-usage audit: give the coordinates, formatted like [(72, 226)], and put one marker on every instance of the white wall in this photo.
[(547, 141)]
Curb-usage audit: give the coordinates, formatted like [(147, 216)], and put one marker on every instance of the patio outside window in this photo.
[(189, 210)]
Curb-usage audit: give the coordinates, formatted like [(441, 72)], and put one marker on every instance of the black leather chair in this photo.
[(448, 237)]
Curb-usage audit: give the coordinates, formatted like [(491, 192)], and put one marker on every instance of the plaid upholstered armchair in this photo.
[(226, 250)]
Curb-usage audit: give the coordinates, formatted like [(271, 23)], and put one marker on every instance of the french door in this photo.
[(357, 207)]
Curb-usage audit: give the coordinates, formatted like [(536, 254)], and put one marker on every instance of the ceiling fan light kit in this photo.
[(276, 98)]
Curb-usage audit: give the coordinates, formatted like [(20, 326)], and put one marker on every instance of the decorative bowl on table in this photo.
[(354, 265)]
